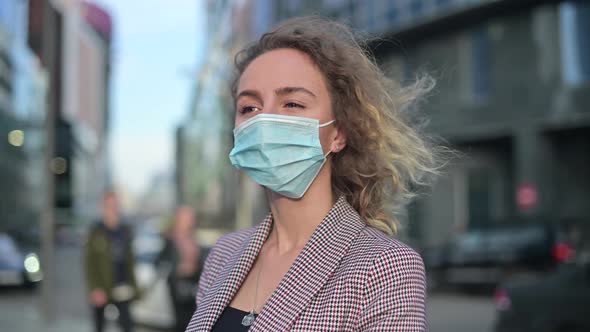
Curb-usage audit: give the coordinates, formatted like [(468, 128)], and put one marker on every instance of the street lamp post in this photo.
[(49, 56)]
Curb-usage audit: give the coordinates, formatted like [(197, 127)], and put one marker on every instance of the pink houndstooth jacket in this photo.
[(349, 277)]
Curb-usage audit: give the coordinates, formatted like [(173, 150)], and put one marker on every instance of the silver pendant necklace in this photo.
[(250, 317)]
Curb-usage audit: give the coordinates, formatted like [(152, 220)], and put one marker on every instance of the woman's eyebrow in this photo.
[(250, 93), (292, 89)]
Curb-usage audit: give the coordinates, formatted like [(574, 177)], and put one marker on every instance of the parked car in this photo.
[(18, 267), (557, 302), (487, 256)]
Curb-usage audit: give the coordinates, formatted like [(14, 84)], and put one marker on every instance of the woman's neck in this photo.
[(296, 220)]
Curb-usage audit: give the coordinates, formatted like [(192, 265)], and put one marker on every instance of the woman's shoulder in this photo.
[(229, 243), (235, 238), (387, 251)]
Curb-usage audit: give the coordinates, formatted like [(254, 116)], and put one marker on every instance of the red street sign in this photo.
[(527, 196)]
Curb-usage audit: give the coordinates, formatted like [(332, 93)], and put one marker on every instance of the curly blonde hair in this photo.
[(385, 158)]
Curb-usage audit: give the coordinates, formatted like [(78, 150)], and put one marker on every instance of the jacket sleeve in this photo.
[(90, 262), (395, 293)]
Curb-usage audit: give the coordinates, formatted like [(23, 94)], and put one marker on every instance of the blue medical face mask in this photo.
[(281, 153)]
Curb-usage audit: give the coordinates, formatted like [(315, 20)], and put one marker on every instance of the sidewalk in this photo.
[(20, 308), (27, 319)]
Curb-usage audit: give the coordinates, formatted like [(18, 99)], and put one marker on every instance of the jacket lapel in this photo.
[(311, 269), (234, 273)]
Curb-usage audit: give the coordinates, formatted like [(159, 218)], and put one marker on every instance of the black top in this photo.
[(184, 288), (119, 238), (231, 321)]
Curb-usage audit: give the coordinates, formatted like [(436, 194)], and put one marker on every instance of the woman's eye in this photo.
[(249, 109), (293, 105)]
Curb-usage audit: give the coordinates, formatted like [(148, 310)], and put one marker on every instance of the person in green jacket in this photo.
[(109, 265)]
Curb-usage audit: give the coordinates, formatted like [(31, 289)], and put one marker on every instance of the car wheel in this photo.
[(30, 285)]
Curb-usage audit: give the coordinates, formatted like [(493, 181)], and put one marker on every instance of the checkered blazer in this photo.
[(349, 277)]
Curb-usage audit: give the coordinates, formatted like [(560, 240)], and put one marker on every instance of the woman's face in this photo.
[(185, 220), (285, 82)]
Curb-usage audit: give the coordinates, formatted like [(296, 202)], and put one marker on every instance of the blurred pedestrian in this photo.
[(182, 253), (318, 125), (109, 266)]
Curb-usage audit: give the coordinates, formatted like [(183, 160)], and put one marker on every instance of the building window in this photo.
[(393, 12), (370, 15), (380, 10), (351, 9), (416, 7), (294, 6), (442, 3), (481, 64), (575, 46), (475, 63)]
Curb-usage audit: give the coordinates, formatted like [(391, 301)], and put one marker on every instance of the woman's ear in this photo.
[(339, 141)]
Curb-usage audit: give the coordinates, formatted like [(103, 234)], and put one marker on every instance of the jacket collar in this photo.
[(328, 244)]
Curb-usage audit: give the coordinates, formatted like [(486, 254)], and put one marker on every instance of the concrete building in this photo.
[(87, 51), (79, 87), (23, 84), (224, 200), (204, 179), (513, 96)]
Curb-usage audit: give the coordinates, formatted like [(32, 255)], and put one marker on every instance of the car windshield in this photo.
[(470, 240), (524, 235), (7, 246)]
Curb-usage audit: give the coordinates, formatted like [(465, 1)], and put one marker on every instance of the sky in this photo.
[(156, 52)]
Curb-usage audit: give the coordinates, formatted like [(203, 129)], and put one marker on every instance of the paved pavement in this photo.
[(457, 312), (17, 318), (20, 308)]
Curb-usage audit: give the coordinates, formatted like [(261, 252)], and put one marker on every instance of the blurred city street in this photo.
[(20, 308)]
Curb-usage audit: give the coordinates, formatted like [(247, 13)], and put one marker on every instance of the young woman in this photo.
[(183, 254), (319, 126)]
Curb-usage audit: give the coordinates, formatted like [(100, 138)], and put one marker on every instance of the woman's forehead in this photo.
[(282, 68)]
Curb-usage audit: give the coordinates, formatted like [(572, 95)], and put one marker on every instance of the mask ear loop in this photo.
[(327, 124), (322, 126)]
